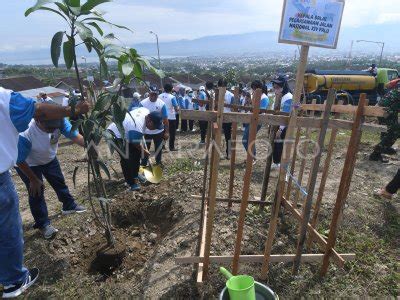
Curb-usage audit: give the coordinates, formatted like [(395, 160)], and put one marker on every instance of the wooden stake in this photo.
[(285, 258), (313, 180), (204, 198), (272, 136), (233, 151), (285, 158), (345, 180), (213, 183), (325, 173), (247, 178), (293, 165), (303, 161)]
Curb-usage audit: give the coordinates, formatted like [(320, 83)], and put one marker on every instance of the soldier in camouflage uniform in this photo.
[(391, 101)]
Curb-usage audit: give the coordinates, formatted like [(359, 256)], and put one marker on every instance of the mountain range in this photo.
[(239, 44)]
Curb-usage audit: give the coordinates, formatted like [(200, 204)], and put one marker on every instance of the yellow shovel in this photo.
[(152, 173)]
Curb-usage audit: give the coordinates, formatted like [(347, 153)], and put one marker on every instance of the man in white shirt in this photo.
[(154, 103), (135, 124), (16, 113), (37, 158), (227, 127), (43, 98), (172, 110)]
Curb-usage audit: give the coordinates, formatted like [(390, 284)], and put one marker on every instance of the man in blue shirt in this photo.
[(16, 113), (37, 150)]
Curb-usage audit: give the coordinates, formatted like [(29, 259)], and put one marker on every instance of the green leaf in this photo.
[(63, 8), (101, 103), (56, 47), (138, 71), (84, 31), (88, 45), (68, 51), (99, 30), (127, 68), (104, 168), (103, 68), (119, 116), (73, 3), (39, 4), (76, 125), (74, 175), (90, 4), (156, 71)]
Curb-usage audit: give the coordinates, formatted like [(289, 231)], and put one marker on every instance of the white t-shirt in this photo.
[(65, 101), (228, 100), (286, 102), (16, 112), (134, 125), (159, 106), (37, 147), (170, 103)]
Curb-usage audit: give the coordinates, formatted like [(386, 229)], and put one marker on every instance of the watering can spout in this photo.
[(225, 272)]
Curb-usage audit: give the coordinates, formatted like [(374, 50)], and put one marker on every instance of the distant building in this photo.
[(54, 93), (22, 83), (71, 83)]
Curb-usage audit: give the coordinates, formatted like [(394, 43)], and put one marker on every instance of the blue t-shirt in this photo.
[(38, 147)]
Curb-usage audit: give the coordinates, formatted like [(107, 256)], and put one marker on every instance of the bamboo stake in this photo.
[(345, 180), (293, 165), (213, 183), (285, 158), (325, 173), (247, 178), (233, 151), (313, 179)]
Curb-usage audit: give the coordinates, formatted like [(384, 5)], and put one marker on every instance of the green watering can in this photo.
[(240, 287)]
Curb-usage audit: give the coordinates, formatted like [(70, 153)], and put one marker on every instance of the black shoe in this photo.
[(389, 151), (375, 156), (14, 290)]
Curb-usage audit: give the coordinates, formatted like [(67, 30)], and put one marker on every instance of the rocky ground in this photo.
[(160, 222)]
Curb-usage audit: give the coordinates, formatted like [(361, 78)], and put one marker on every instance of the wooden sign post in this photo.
[(306, 23)]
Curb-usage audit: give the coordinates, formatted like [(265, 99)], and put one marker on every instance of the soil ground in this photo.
[(160, 222)]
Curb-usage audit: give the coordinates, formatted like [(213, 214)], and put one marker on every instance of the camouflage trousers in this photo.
[(390, 137)]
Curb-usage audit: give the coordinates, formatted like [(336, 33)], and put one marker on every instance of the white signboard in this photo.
[(311, 22)]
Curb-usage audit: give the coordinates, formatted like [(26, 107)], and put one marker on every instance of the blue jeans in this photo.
[(54, 176), (245, 138), (11, 238)]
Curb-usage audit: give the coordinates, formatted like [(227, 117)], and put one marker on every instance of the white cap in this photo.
[(202, 88), (136, 95)]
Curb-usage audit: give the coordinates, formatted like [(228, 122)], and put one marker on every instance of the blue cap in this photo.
[(156, 118), (153, 89)]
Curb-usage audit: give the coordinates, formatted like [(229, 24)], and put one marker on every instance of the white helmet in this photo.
[(136, 95), (202, 88)]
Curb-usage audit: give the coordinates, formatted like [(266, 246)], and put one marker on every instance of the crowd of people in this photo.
[(31, 130)]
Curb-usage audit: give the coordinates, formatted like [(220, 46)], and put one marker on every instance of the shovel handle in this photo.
[(145, 147), (225, 272)]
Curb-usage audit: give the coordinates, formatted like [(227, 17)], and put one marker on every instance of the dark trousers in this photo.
[(130, 163), (177, 121), (278, 148), (184, 125), (158, 144), (172, 133), (54, 176), (394, 185), (390, 137), (203, 130), (227, 128)]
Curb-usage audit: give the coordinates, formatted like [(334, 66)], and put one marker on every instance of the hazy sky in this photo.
[(177, 19)]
